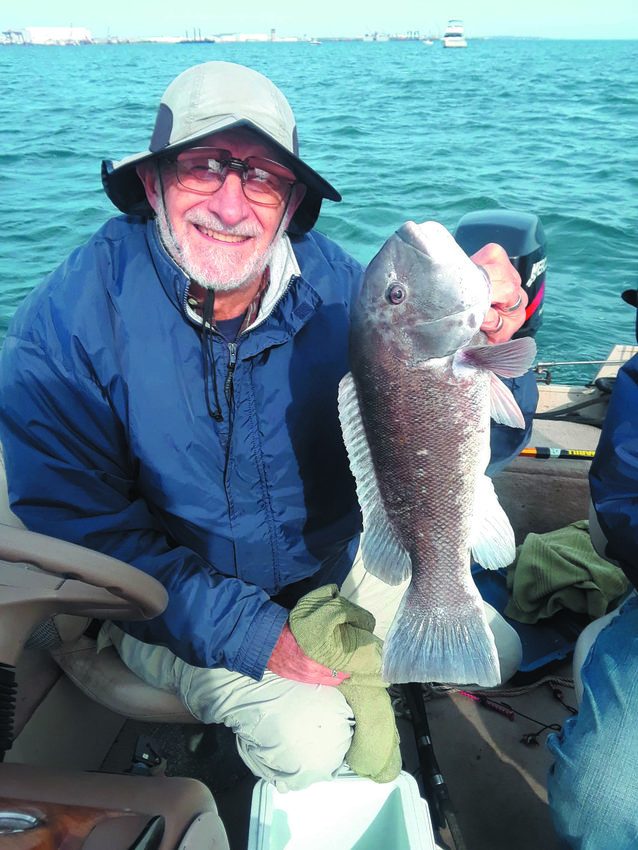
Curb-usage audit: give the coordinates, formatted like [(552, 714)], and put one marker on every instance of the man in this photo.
[(592, 785), (169, 396)]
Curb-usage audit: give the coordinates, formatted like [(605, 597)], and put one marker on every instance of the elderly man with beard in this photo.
[(168, 397)]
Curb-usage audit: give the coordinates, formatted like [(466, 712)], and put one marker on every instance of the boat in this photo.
[(75, 739), (454, 34)]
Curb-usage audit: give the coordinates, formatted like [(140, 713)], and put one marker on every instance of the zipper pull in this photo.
[(232, 360)]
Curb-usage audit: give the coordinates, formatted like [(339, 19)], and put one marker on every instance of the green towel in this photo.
[(561, 569), (337, 633)]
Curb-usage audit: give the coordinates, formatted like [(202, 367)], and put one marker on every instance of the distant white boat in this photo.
[(454, 34)]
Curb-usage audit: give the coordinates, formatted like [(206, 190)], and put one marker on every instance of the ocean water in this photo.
[(403, 130)]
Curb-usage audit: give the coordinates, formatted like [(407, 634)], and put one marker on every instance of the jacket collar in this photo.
[(285, 307), (172, 278)]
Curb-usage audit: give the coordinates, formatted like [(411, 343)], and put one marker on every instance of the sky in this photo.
[(154, 18)]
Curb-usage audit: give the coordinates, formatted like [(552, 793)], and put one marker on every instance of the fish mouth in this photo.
[(408, 231), (436, 243), (454, 305), (431, 239), (416, 235)]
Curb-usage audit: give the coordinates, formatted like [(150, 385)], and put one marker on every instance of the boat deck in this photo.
[(496, 783)]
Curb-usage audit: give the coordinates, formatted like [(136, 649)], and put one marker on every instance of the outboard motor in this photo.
[(521, 235)]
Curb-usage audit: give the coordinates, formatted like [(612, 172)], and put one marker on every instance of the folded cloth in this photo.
[(561, 569), (334, 631)]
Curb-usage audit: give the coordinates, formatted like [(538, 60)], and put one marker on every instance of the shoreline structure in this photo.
[(73, 36)]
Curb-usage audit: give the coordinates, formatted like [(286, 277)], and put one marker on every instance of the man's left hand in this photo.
[(509, 299)]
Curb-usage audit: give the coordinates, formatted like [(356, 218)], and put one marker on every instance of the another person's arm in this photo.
[(614, 472), (509, 299), (504, 318)]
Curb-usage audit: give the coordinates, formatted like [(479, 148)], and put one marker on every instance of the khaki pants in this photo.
[(289, 733)]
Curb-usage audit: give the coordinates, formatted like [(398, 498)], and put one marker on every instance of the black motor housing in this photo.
[(522, 236)]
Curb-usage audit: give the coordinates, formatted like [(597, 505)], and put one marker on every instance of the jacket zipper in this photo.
[(232, 361), (232, 346)]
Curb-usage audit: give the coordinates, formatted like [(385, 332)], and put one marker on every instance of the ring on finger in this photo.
[(514, 306)]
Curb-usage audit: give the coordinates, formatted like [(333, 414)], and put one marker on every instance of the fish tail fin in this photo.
[(445, 643)]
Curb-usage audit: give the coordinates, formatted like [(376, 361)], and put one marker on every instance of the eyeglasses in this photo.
[(264, 182)]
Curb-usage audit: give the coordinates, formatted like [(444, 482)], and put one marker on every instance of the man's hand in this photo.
[(289, 661), (509, 300)]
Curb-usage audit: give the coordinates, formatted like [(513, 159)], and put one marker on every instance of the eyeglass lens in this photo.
[(203, 170)]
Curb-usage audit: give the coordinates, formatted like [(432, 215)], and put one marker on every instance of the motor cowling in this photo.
[(522, 236)]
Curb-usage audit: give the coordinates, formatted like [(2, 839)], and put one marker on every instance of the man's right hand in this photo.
[(290, 662)]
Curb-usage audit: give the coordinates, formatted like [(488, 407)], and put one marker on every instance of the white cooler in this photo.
[(348, 812)]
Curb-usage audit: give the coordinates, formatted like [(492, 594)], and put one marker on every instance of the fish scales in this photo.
[(426, 457), (419, 446)]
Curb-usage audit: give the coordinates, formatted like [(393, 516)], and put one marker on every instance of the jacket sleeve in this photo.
[(70, 476), (614, 472)]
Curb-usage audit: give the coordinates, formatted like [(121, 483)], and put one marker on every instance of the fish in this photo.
[(415, 412)]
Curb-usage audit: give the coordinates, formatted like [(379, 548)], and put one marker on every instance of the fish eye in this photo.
[(396, 293)]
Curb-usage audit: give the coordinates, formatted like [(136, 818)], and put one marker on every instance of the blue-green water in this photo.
[(404, 130)]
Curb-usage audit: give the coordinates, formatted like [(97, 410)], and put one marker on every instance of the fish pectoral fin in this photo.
[(492, 536), (448, 643), (383, 554), (503, 406), (508, 359)]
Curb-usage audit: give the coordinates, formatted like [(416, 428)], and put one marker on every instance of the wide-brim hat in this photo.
[(207, 99)]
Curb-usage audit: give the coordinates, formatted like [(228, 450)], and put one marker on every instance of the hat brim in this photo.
[(125, 189)]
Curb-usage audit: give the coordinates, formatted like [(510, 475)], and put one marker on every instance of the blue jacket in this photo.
[(109, 442), (613, 477)]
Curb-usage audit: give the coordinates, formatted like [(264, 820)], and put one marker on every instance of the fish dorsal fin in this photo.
[(503, 406), (492, 536), (381, 550), (508, 359)]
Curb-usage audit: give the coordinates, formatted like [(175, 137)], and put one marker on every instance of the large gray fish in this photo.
[(415, 414)]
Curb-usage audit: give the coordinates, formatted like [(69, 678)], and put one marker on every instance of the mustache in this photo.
[(210, 221)]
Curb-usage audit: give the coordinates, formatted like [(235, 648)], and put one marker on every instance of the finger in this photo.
[(504, 326), (493, 321), (331, 679), (339, 678), (319, 674), (515, 299), (490, 253)]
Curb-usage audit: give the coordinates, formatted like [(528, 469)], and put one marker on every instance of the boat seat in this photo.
[(101, 676), (101, 811), (107, 680), (42, 806)]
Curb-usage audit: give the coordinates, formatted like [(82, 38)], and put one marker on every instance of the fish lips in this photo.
[(454, 284)]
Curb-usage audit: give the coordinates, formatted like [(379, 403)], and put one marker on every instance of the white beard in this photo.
[(214, 269)]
